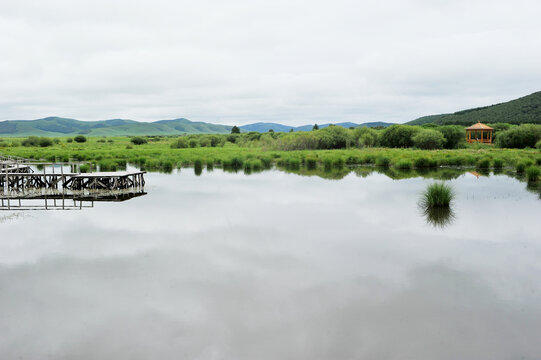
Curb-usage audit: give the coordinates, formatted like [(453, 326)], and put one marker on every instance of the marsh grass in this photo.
[(404, 164), (483, 164), (498, 163), (381, 161), (162, 153), (532, 174), (437, 195), (435, 204)]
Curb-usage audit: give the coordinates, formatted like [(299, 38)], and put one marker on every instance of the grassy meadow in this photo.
[(162, 153)]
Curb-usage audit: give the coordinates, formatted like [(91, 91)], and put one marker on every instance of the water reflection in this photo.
[(62, 200), (438, 216), (277, 266)]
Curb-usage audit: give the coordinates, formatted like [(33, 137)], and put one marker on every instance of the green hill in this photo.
[(56, 126), (525, 110)]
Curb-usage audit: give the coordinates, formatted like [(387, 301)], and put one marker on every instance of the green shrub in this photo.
[(455, 136), (383, 161), (338, 163), (266, 162), (483, 164), (137, 140), (84, 168), (532, 173), (37, 141), (538, 145), (236, 163), (333, 137), (80, 139), (293, 164), (327, 164), (404, 164), (179, 143), (521, 166), (427, 139), (437, 195), (365, 136), (311, 163), (257, 165), (353, 160), (498, 163), (424, 163), (69, 140), (193, 143), (369, 159), (45, 142), (399, 136), (107, 165), (519, 137)]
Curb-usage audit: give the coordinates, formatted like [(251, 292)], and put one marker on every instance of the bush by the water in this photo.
[(437, 195)]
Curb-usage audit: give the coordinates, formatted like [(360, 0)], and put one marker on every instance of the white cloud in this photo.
[(241, 61)]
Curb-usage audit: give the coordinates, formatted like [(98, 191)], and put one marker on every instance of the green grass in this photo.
[(532, 174), (157, 155), (437, 195)]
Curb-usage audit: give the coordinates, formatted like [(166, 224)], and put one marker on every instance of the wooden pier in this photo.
[(19, 176)]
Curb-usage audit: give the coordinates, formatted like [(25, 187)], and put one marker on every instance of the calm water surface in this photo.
[(276, 266)]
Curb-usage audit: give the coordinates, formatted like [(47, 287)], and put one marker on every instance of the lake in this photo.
[(275, 265)]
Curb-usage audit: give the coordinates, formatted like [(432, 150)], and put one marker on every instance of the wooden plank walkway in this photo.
[(18, 175), (73, 181)]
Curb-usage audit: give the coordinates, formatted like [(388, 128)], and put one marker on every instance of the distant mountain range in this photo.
[(57, 126), (526, 109), (264, 127)]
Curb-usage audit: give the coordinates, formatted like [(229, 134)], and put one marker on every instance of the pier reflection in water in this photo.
[(58, 200)]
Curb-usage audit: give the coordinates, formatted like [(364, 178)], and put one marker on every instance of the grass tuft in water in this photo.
[(437, 195)]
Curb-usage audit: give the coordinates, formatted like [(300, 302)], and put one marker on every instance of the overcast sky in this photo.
[(244, 61)]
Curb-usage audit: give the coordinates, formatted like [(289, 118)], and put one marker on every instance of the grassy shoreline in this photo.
[(157, 155)]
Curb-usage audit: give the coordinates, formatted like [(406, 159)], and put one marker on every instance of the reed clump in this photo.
[(437, 195), (532, 174)]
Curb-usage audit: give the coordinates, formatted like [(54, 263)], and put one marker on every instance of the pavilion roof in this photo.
[(479, 126)]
